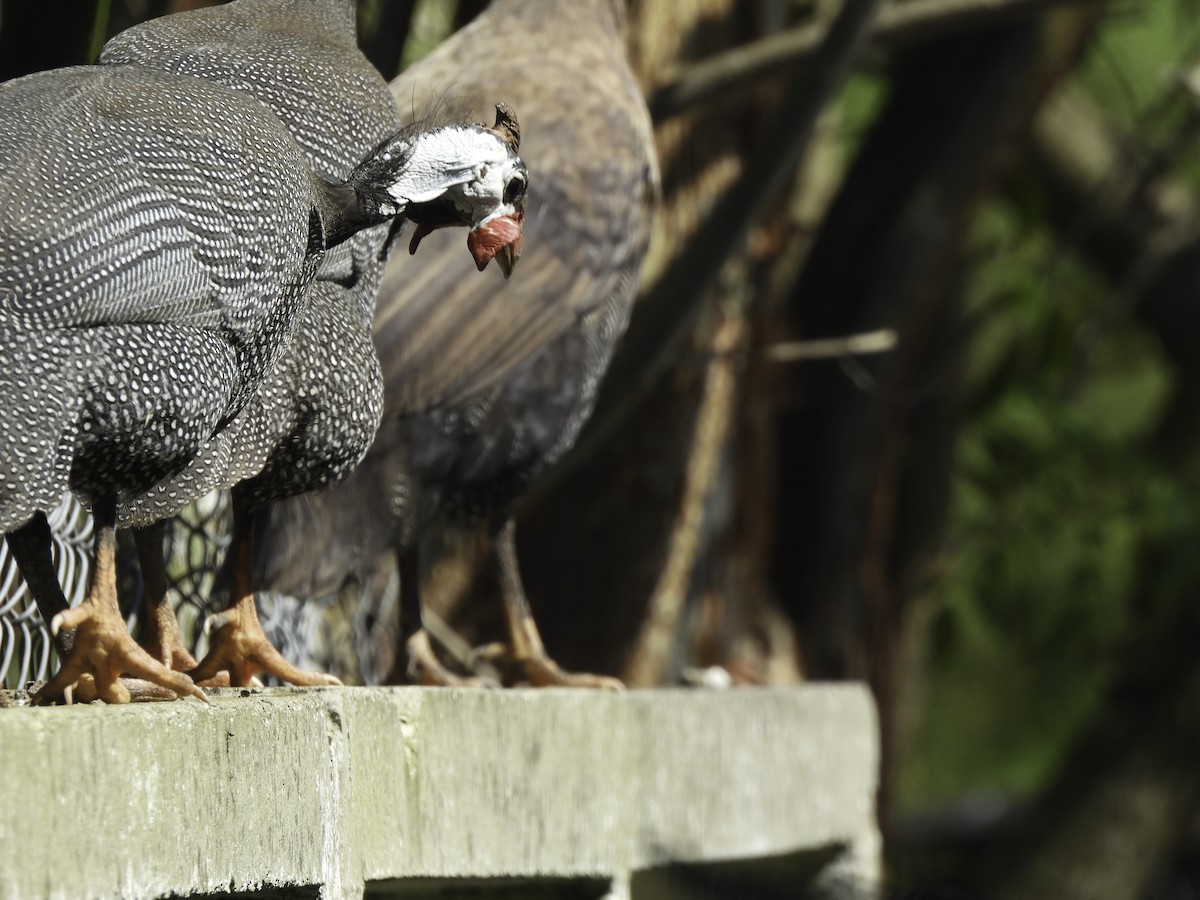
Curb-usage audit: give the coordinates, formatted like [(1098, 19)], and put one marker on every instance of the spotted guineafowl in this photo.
[(487, 385), (319, 406), (157, 242)]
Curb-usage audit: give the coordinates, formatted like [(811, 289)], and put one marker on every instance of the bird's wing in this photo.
[(128, 202), (446, 332)]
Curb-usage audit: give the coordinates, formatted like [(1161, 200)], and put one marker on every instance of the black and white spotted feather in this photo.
[(146, 288), (318, 409), (170, 320)]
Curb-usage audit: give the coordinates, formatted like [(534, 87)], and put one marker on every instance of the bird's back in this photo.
[(586, 136), (300, 59), (488, 384), (126, 203)]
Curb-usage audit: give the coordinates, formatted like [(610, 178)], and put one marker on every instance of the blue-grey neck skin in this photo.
[(347, 209)]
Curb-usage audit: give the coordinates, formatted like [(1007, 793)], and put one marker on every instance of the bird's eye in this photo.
[(515, 189)]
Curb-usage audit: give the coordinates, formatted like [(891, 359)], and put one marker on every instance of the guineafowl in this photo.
[(487, 385), (157, 242), (319, 407)]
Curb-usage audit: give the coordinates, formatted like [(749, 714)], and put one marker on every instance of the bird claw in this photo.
[(138, 690), (161, 638), (542, 671), (425, 668), (539, 670), (487, 655), (102, 652), (68, 619), (220, 620), (240, 649)]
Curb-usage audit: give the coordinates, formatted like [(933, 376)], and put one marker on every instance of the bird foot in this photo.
[(140, 691), (488, 655), (169, 650), (239, 648), (542, 671), (539, 670), (102, 652), (425, 668)]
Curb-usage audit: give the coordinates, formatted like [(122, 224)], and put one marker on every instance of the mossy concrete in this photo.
[(352, 788)]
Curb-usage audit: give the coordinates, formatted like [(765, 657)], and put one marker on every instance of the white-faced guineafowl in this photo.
[(319, 407), (486, 385), (157, 241)]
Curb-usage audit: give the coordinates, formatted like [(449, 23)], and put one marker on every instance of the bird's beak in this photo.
[(499, 239), (421, 231)]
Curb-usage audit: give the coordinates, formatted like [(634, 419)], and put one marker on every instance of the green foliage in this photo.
[(433, 20), (1141, 47), (99, 28), (1069, 540), (857, 106), (1142, 70), (1054, 499)]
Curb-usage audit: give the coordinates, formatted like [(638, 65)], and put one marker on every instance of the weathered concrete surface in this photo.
[(345, 787)]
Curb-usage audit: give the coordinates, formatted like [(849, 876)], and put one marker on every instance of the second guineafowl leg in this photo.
[(237, 640), (161, 636), (421, 665), (526, 647)]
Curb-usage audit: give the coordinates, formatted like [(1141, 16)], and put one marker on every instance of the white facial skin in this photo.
[(472, 167)]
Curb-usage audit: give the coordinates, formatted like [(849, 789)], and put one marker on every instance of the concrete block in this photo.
[(415, 792)]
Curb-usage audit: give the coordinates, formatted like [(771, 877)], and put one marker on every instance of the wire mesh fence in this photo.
[(26, 650)]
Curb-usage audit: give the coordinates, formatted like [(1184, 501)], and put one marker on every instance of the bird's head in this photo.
[(458, 174)]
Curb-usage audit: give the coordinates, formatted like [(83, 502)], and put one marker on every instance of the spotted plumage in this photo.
[(314, 418), (318, 409), (145, 299), (160, 260)]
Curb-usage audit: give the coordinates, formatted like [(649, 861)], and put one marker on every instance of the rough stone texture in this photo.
[(353, 788)]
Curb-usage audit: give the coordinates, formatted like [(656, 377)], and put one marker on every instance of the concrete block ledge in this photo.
[(415, 792)]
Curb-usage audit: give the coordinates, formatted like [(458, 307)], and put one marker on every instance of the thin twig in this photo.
[(727, 74), (649, 662), (834, 348)]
